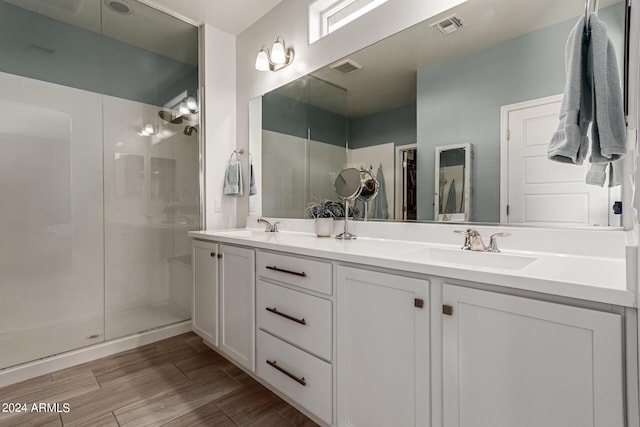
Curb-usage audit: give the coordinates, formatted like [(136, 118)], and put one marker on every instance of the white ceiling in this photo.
[(230, 16)]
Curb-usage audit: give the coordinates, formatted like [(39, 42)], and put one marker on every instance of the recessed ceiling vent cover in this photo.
[(447, 25), (346, 67)]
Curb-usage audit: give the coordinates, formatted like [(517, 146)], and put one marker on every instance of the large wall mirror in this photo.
[(489, 73)]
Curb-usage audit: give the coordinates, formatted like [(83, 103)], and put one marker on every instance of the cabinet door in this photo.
[(383, 349), (205, 291), (511, 361), (237, 299)]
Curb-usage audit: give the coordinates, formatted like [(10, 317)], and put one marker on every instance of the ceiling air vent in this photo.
[(345, 67), (447, 25)]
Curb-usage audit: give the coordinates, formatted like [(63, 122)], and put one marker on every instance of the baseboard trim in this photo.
[(47, 365)]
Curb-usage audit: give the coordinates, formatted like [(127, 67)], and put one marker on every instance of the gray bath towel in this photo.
[(233, 179), (569, 144), (451, 206), (380, 205), (598, 172), (608, 133)]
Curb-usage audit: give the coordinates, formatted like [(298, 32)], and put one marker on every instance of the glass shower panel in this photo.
[(51, 251), (151, 156)]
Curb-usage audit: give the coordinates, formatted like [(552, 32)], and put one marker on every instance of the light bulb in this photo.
[(278, 55), (262, 61), (182, 108), (192, 105)]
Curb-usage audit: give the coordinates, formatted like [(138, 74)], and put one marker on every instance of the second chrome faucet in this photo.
[(473, 241)]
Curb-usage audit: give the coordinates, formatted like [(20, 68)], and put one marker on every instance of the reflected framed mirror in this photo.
[(435, 89), (452, 195)]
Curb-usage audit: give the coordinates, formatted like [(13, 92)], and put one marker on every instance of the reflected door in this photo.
[(541, 191)]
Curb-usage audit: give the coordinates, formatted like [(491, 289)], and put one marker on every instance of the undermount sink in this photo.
[(474, 258), (239, 233)]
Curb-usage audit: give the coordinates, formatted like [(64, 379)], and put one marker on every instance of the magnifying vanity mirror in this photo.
[(452, 200), (487, 84), (348, 186), (370, 188)]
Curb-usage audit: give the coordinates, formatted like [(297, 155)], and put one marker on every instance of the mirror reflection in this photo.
[(495, 82), (453, 183)]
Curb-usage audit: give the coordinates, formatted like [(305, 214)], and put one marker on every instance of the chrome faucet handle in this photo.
[(493, 244), (274, 228), (467, 238)]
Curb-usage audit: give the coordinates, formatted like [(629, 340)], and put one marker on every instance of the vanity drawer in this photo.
[(308, 274), (294, 316), (301, 376)]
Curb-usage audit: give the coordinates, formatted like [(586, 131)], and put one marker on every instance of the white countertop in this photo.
[(590, 278)]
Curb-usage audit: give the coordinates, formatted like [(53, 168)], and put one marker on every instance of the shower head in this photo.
[(188, 130), (167, 116)]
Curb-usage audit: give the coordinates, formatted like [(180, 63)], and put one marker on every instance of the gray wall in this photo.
[(42, 48), (291, 117), (397, 125), (459, 101)]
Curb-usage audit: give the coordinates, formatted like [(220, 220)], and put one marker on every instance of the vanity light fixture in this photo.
[(279, 57)]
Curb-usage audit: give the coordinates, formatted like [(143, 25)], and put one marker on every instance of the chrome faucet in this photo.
[(473, 241), (268, 227)]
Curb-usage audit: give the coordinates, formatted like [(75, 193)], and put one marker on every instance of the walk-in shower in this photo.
[(97, 192)]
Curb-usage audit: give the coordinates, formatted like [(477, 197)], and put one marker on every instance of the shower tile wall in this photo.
[(93, 214)]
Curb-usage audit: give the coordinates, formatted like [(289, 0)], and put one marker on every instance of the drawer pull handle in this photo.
[(287, 373), (281, 270), (274, 310)]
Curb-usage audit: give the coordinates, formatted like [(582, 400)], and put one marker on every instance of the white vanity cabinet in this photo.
[(224, 298), (204, 317), (237, 302), (512, 361), (382, 349), (294, 318)]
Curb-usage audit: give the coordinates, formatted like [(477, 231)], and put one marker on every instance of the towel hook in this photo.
[(237, 153), (590, 6)]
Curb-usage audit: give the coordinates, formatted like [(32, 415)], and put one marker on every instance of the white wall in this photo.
[(219, 73), (290, 20), (376, 156)]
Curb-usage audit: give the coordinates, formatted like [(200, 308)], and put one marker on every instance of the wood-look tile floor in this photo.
[(175, 382)]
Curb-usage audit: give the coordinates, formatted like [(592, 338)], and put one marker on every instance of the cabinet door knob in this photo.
[(213, 254), (447, 309), (219, 256)]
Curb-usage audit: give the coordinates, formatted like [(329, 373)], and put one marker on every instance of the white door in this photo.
[(205, 291), (511, 361), (383, 352), (535, 189), (237, 299)]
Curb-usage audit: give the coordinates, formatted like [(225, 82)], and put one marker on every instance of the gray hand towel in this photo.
[(233, 179), (569, 144), (608, 133)]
